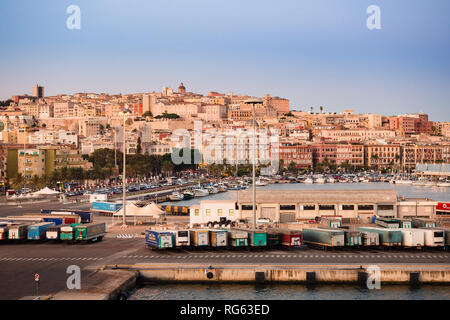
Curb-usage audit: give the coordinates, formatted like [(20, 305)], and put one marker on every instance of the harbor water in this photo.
[(407, 191), (288, 292), (296, 291)]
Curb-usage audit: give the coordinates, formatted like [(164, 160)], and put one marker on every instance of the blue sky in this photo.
[(311, 52)]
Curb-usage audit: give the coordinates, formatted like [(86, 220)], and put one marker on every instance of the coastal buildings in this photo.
[(307, 139)]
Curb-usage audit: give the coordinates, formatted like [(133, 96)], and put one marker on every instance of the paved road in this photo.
[(20, 209), (18, 262)]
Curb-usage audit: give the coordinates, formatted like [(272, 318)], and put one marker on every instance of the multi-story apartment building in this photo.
[(336, 154), (421, 153), (354, 135), (299, 154), (382, 155)]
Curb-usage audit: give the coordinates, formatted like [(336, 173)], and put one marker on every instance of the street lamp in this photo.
[(124, 112), (253, 102)]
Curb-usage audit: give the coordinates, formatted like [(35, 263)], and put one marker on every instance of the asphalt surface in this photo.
[(18, 209), (20, 261)]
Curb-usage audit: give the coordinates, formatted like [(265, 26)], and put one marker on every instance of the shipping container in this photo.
[(159, 239), (90, 231), (181, 238), (106, 206), (4, 231), (406, 224), (370, 239), (256, 237), (412, 237), (199, 237), (18, 232), (388, 237), (37, 231), (25, 219), (434, 237), (58, 219), (447, 238), (330, 222), (324, 237), (238, 238), (66, 231), (273, 238), (218, 238), (287, 237), (387, 222), (423, 223), (86, 216), (353, 238), (53, 233)]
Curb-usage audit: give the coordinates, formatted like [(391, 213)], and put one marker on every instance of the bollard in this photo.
[(310, 278), (414, 278), (259, 277), (362, 278)]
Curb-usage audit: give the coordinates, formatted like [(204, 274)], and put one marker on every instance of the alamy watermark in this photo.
[(374, 20), (374, 277), (73, 22), (74, 280)]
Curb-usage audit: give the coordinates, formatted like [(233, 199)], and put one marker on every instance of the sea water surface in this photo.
[(407, 191), (301, 291), (287, 292)]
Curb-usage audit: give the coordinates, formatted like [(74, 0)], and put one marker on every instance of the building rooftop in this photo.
[(324, 196)]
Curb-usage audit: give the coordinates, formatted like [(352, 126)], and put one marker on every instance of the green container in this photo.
[(388, 237), (353, 238), (240, 242), (273, 239), (89, 231), (66, 235), (257, 238)]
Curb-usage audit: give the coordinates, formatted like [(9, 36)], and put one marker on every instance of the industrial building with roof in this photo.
[(286, 206)]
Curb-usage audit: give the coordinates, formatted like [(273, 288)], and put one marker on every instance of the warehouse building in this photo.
[(296, 205)]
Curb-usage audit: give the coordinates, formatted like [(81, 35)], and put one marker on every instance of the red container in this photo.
[(290, 238), (70, 220)]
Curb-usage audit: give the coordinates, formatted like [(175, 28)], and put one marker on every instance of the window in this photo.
[(385, 207), (348, 207), (184, 233), (219, 212), (287, 206), (248, 207), (208, 212), (309, 207), (196, 212), (231, 212), (326, 206), (365, 207)]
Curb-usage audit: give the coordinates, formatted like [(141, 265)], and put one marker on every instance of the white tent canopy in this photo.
[(46, 191), (150, 210)]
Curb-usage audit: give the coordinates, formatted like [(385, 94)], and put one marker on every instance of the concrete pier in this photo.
[(290, 273), (102, 285)]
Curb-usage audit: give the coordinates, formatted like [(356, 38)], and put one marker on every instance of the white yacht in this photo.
[(176, 196), (200, 192), (331, 180), (444, 184), (212, 190), (309, 181), (320, 180), (260, 183)]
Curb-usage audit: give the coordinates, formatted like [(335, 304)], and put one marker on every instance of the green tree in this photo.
[(17, 181), (139, 147), (147, 114)]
